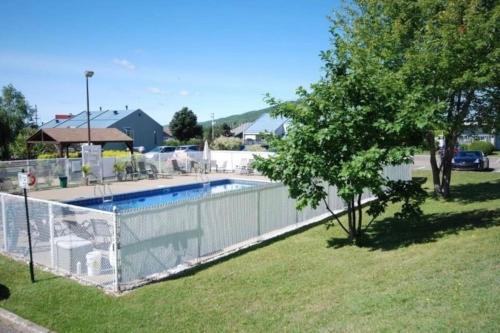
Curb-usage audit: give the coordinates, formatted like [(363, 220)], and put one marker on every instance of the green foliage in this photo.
[(255, 148), (345, 128), (219, 130), (224, 143), (194, 141), (18, 147), (172, 142), (237, 119), (45, 156), (119, 167), (184, 125), (86, 169), (116, 153), (446, 54), (486, 147), (15, 114)]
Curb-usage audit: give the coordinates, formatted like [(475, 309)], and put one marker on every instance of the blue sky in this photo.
[(212, 56)]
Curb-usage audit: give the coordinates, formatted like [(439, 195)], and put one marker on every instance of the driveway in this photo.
[(421, 162)]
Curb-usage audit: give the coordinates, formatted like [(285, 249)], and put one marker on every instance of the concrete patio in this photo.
[(79, 192)]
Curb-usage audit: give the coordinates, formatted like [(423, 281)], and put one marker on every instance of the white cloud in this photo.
[(124, 63), (184, 93), (157, 91)]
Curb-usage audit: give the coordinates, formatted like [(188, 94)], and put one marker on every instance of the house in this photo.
[(237, 132), (264, 124), (167, 133), (143, 129), (470, 135)]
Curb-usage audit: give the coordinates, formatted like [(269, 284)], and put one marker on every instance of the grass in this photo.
[(441, 274)]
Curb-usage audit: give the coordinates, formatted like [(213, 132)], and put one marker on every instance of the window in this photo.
[(128, 131)]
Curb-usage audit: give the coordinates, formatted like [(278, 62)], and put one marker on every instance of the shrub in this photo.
[(119, 167), (486, 147), (116, 153), (172, 142), (46, 156), (255, 148), (194, 141), (224, 143)]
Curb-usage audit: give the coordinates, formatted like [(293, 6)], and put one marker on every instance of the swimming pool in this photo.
[(164, 195)]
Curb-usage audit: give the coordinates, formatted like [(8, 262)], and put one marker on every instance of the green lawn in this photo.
[(442, 274)]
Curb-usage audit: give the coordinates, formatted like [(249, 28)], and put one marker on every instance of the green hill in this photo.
[(238, 119)]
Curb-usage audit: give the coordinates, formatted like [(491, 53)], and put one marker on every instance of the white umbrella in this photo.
[(206, 155)]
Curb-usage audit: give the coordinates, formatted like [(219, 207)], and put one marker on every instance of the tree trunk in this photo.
[(360, 214), (450, 142), (431, 143)]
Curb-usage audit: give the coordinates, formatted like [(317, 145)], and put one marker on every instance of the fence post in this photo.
[(159, 163), (198, 223), (4, 223), (258, 213), (51, 232), (116, 246)]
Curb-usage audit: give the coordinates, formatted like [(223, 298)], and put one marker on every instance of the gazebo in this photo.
[(64, 137)]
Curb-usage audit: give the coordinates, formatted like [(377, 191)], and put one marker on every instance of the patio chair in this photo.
[(177, 168), (222, 167), (157, 174), (243, 167), (143, 171), (101, 233), (129, 171)]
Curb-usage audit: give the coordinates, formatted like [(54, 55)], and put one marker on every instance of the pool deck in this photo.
[(80, 192)]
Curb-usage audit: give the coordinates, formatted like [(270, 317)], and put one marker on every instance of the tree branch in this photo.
[(335, 216)]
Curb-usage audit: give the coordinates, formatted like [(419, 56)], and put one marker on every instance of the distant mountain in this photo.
[(238, 119)]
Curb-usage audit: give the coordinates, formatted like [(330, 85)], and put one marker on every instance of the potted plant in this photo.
[(86, 173), (119, 169)]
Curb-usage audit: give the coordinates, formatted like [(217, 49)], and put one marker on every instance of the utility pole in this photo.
[(36, 116), (88, 74), (213, 123)]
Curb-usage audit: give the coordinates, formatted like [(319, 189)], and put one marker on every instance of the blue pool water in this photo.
[(150, 198)]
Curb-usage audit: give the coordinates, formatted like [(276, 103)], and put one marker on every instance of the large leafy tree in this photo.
[(344, 130), (447, 55), (184, 125), (15, 114)]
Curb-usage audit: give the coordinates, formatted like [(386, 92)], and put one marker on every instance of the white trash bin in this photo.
[(93, 263)]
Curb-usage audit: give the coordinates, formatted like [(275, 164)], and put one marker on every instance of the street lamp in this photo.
[(87, 75)]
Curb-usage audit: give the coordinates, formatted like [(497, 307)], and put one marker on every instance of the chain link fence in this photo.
[(68, 240)]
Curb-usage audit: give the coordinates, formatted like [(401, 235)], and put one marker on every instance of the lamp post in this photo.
[(87, 75)]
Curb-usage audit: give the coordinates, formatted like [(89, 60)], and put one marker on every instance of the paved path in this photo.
[(7, 328)]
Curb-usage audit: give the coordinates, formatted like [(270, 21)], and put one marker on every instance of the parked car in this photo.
[(470, 160), (159, 150), (188, 148)]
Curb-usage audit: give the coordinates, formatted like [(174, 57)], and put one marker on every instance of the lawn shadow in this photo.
[(4, 292), (391, 233), (468, 193)]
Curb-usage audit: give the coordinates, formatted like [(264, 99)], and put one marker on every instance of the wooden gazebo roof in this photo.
[(64, 137)]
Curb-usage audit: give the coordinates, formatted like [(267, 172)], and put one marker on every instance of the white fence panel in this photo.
[(227, 220), (276, 209), (158, 239)]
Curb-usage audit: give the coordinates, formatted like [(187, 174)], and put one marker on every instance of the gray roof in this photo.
[(98, 119), (240, 129), (266, 123)]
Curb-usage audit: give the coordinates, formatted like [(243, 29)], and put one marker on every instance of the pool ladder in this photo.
[(104, 191)]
